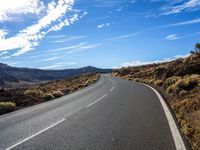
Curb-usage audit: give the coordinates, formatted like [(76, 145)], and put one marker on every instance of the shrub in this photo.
[(6, 107), (186, 84), (172, 80), (48, 97), (158, 82), (34, 92), (151, 81), (196, 51), (57, 94)]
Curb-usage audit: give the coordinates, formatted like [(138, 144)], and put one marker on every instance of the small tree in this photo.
[(196, 50)]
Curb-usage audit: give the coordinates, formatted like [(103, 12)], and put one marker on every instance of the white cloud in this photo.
[(52, 58), (174, 9), (68, 38), (124, 36), (3, 33), (28, 38), (139, 63), (59, 65), (68, 47), (84, 47), (172, 37), (55, 66), (103, 25), (8, 8), (188, 22), (76, 48), (3, 53)]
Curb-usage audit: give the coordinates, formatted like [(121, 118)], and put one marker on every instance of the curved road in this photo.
[(112, 114)]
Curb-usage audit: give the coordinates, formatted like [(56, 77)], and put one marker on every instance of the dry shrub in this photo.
[(186, 83), (172, 80), (57, 94), (6, 107), (158, 82), (48, 97), (34, 92)]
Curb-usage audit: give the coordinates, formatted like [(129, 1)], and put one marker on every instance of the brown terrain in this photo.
[(179, 82), (18, 98)]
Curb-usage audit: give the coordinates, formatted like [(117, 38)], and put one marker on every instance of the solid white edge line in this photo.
[(173, 127), (111, 88), (30, 137), (96, 101)]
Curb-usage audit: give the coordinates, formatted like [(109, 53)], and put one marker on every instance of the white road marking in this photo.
[(175, 132), (111, 88), (97, 100), (30, 137)]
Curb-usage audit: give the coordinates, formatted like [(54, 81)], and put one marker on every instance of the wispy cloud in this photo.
[(3, 53), (67, 38), (124, 36), (52, 58), (139, 63), (76, 48), (190, 5), (188, 22), (172, 37), (59, 65), (103, 25), (68, 47), (29, 37), (84, 47)]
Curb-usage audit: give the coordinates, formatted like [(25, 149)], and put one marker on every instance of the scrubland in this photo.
[(18, 98)]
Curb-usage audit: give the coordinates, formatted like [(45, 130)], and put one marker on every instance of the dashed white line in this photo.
[(111, 88), (30, 137), (97, 100)]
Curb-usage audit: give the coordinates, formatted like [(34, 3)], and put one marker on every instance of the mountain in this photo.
[(13, 76)]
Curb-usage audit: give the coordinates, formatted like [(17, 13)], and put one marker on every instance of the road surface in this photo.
[(112, 114)]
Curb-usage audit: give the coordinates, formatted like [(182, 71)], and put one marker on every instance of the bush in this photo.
[(48, 97), (158, 82), (34, 92), (172, 80), (6, 107), (57, 94), (186, 84)]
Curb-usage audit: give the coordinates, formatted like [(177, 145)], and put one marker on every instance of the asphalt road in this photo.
[(112, 114)]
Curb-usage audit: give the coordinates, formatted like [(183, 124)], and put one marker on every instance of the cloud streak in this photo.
[(172, 37), (139, 63), (54, 20), (190, 5)]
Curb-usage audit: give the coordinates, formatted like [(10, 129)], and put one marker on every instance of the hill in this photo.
[(179, 82), (15, 77), (18, 98)]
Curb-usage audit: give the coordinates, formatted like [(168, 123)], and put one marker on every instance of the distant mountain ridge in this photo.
[(12, 76)]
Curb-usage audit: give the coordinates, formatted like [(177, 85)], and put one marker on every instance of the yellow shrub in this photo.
[(186, 83), (158, 82), (34, 92), (7, 107), (57, 94)]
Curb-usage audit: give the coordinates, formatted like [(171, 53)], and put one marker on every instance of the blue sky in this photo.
[(103, 33)]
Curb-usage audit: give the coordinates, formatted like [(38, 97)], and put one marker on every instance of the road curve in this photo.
[(112, 114)]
